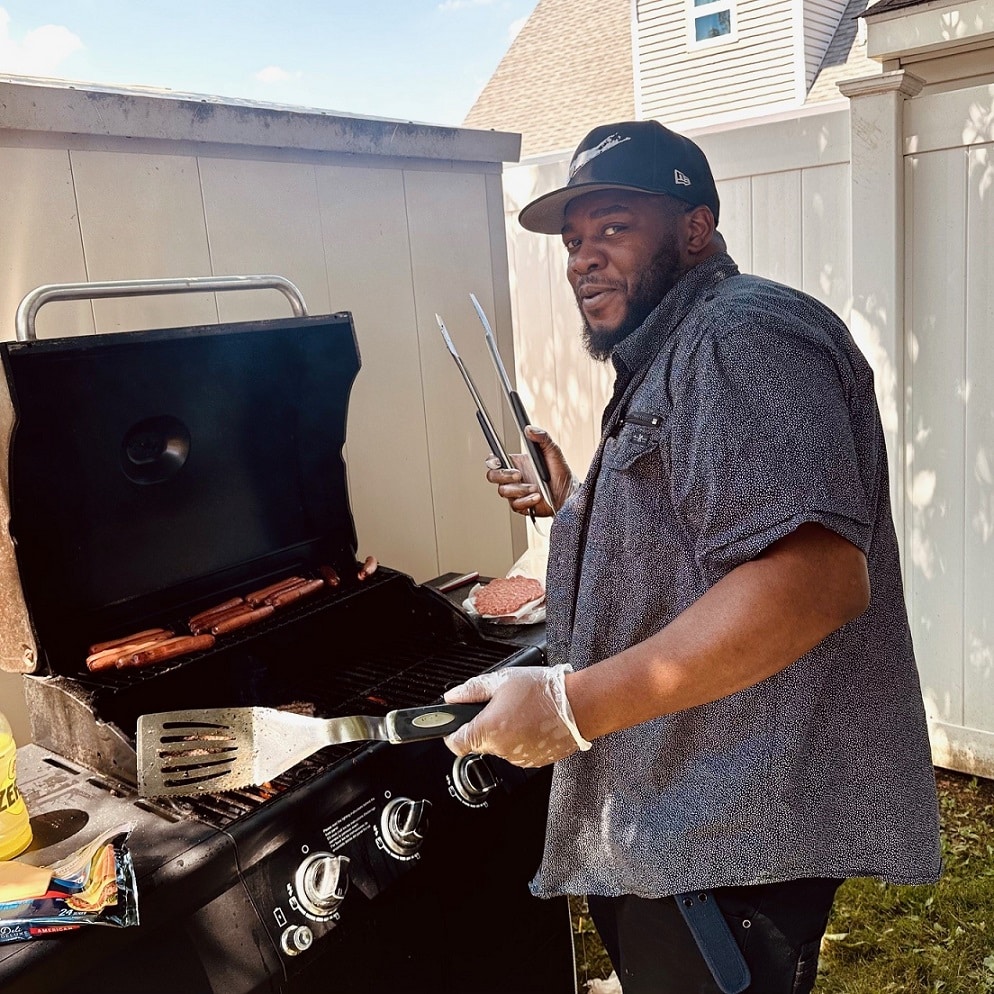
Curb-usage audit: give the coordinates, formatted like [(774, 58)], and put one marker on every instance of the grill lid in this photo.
[(150, 469)]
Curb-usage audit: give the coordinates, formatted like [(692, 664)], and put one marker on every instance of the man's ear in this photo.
[(700, 226)]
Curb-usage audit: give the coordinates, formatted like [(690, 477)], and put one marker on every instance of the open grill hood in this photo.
[(151, 472)]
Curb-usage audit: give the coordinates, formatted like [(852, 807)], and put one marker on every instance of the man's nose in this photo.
[(586, 259)]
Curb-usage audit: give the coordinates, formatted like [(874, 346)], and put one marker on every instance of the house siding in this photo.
[(680, 85), (821, 20)]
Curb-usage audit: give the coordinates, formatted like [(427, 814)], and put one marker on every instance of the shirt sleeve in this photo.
[(762, 441)]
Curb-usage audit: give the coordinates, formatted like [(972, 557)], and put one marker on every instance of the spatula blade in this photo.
[(193, 752), (212, 749)]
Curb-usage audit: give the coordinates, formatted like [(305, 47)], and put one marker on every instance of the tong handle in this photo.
[(537, 455), (433, 722), (493, 441)]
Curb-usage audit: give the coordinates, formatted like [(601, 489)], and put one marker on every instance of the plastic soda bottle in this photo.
[(15, 825)]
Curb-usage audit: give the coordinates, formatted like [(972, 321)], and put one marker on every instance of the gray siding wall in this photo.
[(821, 18), (679, 84)]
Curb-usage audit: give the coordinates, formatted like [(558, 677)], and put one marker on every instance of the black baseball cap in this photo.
[(635, 155)]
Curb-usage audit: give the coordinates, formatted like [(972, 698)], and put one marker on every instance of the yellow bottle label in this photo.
[(10, 796), (15, 826)]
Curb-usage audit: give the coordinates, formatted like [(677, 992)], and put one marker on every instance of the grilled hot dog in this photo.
[(164, 651)]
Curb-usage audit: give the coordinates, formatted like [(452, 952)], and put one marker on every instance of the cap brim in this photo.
[(547, 214)]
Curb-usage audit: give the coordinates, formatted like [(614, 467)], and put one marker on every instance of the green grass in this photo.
[(883, 939), (592, 962)]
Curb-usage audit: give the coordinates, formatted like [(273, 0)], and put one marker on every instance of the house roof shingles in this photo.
[(568, 70)]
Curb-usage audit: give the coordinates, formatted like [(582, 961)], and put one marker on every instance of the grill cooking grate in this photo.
[(400, 675)]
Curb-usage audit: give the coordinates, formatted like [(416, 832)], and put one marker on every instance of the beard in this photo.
[(648, 289)]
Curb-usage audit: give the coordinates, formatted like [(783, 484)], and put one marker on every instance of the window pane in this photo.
[(713, 25)]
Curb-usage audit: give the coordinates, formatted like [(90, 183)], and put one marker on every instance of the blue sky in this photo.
[(421, 60)]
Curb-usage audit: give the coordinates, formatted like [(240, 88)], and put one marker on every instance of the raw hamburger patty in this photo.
[(505, 595)]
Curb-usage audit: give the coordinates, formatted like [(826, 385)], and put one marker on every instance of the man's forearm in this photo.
[(753, 623)]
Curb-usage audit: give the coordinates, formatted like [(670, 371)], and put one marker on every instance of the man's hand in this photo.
[(528, 721), (519, 487)]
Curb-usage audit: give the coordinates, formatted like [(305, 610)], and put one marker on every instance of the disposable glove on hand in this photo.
[(528, 721)]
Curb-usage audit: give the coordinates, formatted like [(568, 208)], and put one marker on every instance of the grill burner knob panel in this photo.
[(403, 824), (296, 939), (473, 779), (321, 882)]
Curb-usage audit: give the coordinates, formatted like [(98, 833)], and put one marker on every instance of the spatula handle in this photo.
[(433, 722)]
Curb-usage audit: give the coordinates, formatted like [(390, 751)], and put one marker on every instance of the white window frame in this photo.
[(693, 13)]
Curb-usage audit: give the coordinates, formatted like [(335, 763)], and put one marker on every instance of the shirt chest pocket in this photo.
[(637, 438)]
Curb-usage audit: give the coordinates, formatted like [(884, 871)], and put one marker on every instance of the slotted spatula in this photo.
[(211, 749)]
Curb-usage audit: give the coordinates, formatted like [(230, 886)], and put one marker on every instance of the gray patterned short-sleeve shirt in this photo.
[(742, 409)]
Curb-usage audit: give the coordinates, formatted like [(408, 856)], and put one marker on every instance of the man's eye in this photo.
[(614, 229), (572, 244)]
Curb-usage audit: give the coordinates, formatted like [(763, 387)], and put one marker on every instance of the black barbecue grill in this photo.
[(152, 475)]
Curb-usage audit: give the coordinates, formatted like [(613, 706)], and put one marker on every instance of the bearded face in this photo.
[(624, 257)]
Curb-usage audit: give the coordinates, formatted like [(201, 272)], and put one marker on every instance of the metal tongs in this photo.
[(513, 400)]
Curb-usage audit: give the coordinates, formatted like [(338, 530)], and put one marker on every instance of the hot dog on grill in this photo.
[(237, 621), (107, 658), (170, 649), (141, 636), (258, 597), (286, 589), (216, 609), (292, 594), (208, 622)]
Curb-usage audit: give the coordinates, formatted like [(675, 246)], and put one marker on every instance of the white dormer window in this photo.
[(710, 22)]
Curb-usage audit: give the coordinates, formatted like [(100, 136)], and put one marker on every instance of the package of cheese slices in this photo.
[(95, 885)]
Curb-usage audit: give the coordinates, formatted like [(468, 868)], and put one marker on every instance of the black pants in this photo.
[(778, 928)]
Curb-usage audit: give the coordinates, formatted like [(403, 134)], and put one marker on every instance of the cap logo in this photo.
[(582, 158), (680, 179)]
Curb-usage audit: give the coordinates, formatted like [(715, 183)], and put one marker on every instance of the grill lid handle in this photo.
[(27, 310)]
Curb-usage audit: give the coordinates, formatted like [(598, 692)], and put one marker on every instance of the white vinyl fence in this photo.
[(949, 381)]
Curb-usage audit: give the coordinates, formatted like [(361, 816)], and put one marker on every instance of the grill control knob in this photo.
[(403, 825), (296, 939), (473, 778), (321, 882)]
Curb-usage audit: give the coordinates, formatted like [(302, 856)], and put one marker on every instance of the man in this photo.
[(732, 701)]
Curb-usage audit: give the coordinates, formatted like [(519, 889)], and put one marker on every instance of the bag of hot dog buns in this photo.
[(95, 885)]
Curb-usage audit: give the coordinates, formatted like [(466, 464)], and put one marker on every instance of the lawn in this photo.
[(883, 939)]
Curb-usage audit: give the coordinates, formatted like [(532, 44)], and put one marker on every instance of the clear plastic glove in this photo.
[(528, 721)]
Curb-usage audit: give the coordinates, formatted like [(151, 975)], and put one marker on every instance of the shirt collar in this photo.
[(638, 349)]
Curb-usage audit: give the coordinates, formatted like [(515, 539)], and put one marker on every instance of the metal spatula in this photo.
[(212, 749)]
